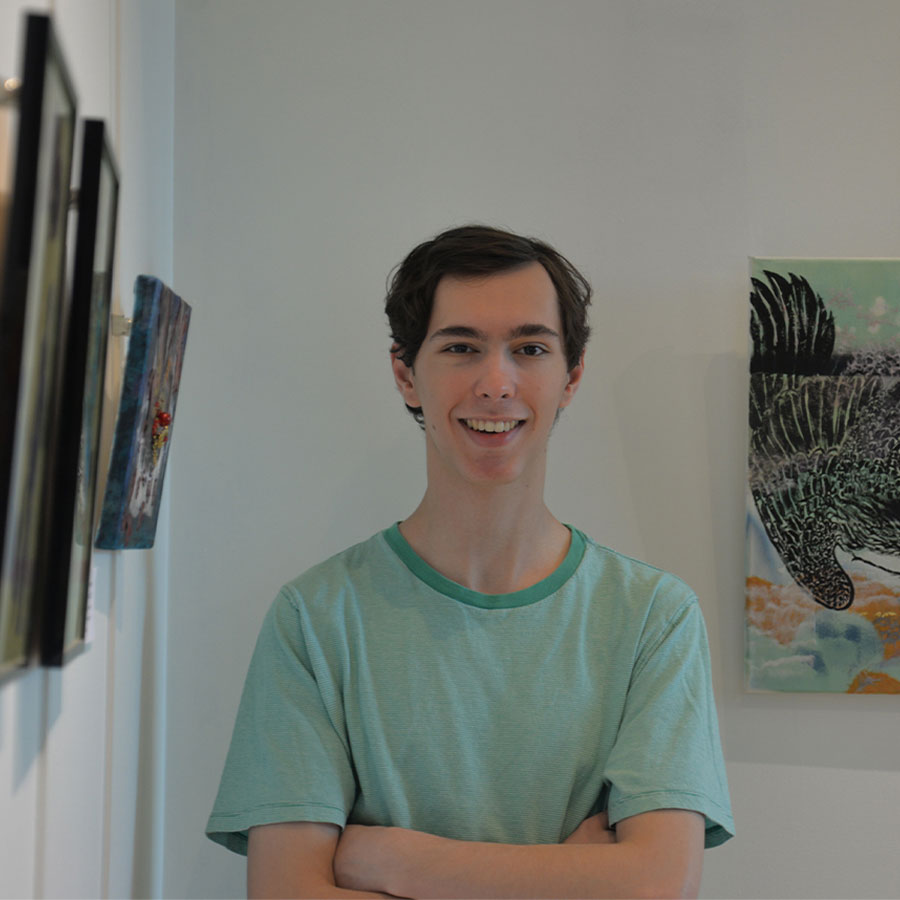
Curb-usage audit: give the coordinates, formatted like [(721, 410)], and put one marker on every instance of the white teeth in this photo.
[(489, 425)]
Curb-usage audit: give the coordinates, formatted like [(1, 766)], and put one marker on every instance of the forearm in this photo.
[(323, 892), (296, 859), (432, 867), (282, 881), (656, 854)]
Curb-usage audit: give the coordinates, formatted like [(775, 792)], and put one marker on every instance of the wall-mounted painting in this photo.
[(33, 313), (146, 417), (8, 114), (71, 533), (823, 499)]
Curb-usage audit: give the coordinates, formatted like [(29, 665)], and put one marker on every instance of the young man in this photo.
[(479, 701)]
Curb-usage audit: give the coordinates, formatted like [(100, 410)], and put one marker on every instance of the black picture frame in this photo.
[(70, 533), (33, 313)]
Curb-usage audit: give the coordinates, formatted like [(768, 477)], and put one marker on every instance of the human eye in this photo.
[(458, 349), (532, 350)]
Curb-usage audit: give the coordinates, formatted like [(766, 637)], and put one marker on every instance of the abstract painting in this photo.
[(33, 317), (72, 521), (823, 490), (146, 417)]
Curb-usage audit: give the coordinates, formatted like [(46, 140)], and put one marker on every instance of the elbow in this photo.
[(658, 884), (669, 889), (664, 891), (666, 853)]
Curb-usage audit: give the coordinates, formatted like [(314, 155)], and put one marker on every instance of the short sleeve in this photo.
[(668, 754), (288, 760)]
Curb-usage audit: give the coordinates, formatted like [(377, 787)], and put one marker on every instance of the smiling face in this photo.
[(490, 377)]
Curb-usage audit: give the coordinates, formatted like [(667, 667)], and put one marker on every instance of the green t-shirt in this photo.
[(380, 692)]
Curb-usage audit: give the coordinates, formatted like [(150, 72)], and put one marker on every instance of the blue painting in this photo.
[(146, 417)]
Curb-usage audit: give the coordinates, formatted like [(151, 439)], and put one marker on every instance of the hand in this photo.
[(593, 830)]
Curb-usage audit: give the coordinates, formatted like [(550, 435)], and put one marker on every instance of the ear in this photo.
[(404, 378), (574, 376)]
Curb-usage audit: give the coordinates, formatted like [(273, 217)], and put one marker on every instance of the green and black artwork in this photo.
[(823, 523)]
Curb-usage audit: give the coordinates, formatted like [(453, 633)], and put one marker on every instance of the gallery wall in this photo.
[(659, 144), (80, 748), (301, 147)]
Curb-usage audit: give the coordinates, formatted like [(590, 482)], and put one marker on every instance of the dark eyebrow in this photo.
[(532, 330), (463, 331), (520, 331)]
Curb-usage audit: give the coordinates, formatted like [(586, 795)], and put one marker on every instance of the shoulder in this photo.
[(643, 599), (632, 579), (339, 576), (342, 568), (318, 605)]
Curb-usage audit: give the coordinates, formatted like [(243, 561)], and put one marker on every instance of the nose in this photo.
[(496, 378)]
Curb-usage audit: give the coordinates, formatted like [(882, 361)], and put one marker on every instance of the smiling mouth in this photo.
[(493, 426)]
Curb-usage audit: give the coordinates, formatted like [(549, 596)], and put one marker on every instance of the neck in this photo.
[(494, 539)]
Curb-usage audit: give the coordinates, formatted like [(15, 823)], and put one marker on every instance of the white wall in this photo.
[(80, 771), (658, 144)]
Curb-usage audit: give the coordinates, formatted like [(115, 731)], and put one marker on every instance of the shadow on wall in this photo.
[(777, 728), (148, 803), (37, 695), (28, 692), (682, 422)]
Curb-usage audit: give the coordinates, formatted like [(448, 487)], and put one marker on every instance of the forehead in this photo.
[(499, 301)]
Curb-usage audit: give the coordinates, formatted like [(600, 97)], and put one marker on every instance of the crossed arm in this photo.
[(654, 854)]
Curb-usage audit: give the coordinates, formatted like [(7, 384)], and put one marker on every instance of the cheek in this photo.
[(551, 392), (441, 397)]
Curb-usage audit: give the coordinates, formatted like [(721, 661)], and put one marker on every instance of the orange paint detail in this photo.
[(874, 683), (881, 606), (777, 610)]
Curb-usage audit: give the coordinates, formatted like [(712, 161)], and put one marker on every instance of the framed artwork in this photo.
[(823, 490), (146, 417), (8, 113), (33, 311), (71, 533)]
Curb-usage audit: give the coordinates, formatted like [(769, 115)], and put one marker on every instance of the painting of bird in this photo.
[(824, 461)]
